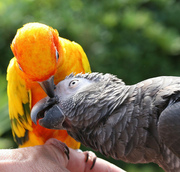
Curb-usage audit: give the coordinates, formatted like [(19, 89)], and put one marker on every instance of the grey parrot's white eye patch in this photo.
[(73, 83)]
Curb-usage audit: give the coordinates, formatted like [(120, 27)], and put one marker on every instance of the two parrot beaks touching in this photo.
[(41, 59), (135, 123)]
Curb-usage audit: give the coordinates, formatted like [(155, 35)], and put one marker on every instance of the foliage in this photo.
[(133, 39), (5, 133)]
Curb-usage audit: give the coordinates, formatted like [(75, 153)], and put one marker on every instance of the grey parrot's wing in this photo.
[(169, 127)]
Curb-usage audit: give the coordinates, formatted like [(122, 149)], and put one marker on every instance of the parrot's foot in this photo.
[(90, 158), (66, 150), (60, 145)]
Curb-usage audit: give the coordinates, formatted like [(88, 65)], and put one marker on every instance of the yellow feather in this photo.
[(85, 61), (18, 129), (18, 96)]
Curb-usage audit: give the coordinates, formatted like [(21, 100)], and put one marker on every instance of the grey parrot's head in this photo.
[(79, 101)]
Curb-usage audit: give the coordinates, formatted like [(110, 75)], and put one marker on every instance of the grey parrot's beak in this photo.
[(53, 118), (48, 113), (48, 86)]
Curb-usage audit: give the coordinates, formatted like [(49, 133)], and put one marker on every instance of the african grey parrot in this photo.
[(135, 123)]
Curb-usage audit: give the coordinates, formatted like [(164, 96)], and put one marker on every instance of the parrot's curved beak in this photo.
[(48, 86), (48, 113), (53, 118)]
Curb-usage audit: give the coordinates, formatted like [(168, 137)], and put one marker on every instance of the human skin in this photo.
[(50, 157)]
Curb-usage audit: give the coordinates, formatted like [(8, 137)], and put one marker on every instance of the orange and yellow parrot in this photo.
[(41, 59)]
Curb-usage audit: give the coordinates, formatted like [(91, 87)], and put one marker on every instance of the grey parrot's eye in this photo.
[(73, 83)]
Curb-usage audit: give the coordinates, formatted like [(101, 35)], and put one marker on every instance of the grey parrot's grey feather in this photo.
[(137, 124), (169, 127)]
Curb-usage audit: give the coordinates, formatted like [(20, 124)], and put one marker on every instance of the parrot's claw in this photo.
[(59, 145), (66, 151), (90, 158)]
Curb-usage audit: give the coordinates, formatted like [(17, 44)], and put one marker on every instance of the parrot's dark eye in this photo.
[(20, 68), (73, 83), (57, 55)]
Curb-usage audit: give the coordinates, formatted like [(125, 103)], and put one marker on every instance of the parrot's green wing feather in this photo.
[(19, 104)]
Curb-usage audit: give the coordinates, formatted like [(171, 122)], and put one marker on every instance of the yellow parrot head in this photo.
[(36, 48)]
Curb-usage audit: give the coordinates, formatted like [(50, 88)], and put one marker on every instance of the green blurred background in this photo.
[(133, 39)]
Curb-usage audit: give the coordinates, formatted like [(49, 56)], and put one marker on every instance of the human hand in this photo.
[(50, 157)]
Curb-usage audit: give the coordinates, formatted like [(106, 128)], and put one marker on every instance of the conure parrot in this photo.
[(41, 58), (135, 123)]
